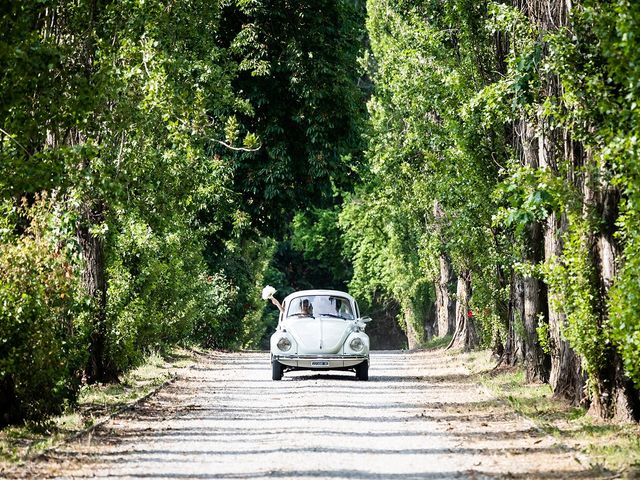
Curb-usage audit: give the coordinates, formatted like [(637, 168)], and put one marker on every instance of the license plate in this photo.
[(318, 363)]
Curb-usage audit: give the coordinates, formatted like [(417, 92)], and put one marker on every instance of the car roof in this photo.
[(304, 293)]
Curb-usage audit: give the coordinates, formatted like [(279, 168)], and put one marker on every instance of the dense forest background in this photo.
[(464, 168)]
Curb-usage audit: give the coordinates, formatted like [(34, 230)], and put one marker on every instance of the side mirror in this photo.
[(365, 319)]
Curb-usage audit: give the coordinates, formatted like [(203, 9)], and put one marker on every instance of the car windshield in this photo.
[(319, 306)]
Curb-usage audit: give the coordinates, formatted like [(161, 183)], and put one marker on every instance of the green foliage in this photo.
[(617, 25), (155, 132), (427, 147), (256, 257), (159, 291), (580, 81), (211, 326), (43, 317), (543, 334), (529, 195), (457, 82), (114, 110), (317, 235), (296, 63), (238, 319), (185, 136), (625, 323), (572, 283)]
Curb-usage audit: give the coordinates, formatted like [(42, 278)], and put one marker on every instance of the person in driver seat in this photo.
[(305, 307)]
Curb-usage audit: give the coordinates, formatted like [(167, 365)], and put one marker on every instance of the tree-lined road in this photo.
[(419, 417)]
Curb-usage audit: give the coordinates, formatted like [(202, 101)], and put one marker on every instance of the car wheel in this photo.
[(362, 371), (276, 370)]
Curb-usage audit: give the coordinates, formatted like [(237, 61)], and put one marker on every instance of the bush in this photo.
[(42, 333), (213, 328), (159, 293)]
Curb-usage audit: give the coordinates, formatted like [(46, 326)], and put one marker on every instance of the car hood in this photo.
[(319, 335)]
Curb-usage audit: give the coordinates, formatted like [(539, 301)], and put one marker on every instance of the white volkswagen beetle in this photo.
[(319, 330)]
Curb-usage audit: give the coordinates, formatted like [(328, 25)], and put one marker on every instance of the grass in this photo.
[(437, 342), (95, 403), (612, 447)]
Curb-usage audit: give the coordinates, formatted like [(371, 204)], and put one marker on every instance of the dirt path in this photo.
[(419, 417)]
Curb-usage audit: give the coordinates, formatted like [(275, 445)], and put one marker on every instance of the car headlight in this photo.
[(284, 344), (356, 344)]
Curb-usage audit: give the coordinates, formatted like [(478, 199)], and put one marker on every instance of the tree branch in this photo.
[(237, 149), (16, 141)]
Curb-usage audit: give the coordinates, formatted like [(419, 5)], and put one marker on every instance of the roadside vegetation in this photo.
[(152, 157), (95, 404), (498, 202), (611, 448)]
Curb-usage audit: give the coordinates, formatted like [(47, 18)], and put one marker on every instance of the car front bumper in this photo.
[(327, 362)]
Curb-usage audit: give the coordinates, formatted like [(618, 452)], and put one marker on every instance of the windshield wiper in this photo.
[(332, 315), (300, 314)]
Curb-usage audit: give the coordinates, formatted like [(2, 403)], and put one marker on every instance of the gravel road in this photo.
[(419, 417)]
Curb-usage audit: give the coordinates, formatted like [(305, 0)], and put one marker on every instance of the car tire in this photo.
[(276, 370), (362, 371)]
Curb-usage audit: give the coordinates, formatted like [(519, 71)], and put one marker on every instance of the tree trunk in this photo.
[(99, 369), (536, 361), (514, 346), (91, 212), (414, 339), (615, 396), (465, 335), (430, 322), (566, 377), (535, 300), (445, 304), (534, 291), (498, 338)]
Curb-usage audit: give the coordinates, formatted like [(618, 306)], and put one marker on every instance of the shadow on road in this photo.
[(419, 417)]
